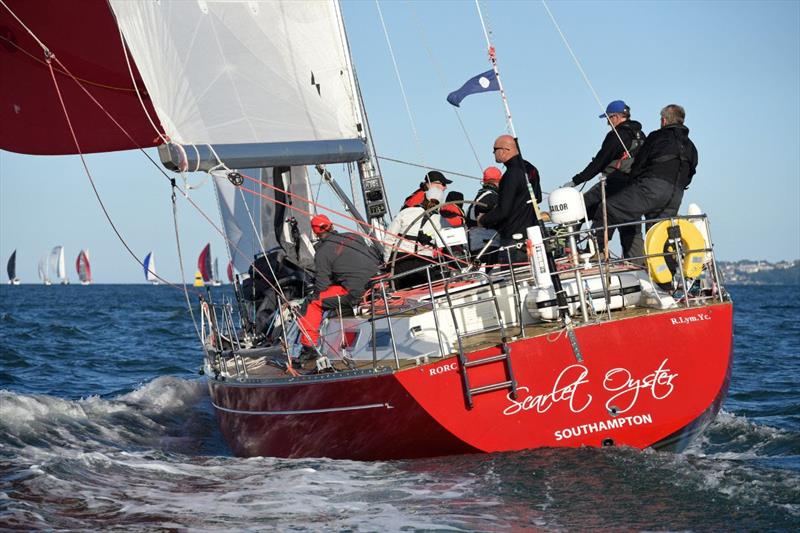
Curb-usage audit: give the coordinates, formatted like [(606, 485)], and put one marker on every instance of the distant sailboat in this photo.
[(58, 265), (204, 265), (11, 269), (83, 267), (150, 268), (216, 281), (43, 270), (230, 271)]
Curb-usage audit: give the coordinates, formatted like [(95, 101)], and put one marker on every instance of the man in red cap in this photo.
[(487, 196), (343, 265)]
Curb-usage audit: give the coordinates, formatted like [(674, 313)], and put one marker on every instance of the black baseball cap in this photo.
[(436, 176)]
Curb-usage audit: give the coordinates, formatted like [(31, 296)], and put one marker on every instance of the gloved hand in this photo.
[(570, 183), (425, 239)]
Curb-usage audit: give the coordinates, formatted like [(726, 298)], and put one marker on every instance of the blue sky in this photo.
[(734, 66)]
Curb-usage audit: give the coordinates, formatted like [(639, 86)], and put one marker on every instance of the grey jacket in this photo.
[(344, 259)]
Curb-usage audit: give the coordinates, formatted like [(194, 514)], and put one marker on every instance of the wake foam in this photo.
[(137, 418)]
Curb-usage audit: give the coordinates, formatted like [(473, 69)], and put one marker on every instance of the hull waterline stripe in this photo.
[(304, 411)]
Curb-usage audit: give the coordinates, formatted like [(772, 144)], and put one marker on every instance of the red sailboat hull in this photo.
[(653, 380)]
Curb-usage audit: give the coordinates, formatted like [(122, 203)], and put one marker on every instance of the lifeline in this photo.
[(603, 425)]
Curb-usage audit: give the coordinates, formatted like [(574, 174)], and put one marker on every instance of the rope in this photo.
[(161, 135), (400, 82), (583, 73), (409, 163), (180, 264)]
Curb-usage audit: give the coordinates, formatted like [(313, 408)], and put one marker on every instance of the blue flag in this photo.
[(479, 84)]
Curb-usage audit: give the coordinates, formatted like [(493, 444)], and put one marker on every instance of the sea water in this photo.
[(105, 424)]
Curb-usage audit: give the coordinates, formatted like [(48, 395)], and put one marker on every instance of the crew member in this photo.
[(613, 160), (411, 241), (434, 178), (453, 214), (265, 273), (664, 167), (487, 197), (514, 211), (344, 265)]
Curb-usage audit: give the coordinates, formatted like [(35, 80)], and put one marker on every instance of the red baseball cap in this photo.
[(321, 224), (492, 174)]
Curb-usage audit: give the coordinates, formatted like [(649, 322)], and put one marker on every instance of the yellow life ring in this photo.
[(657, 241)]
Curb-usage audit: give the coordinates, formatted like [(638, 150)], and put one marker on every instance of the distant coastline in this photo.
[(750, 272)]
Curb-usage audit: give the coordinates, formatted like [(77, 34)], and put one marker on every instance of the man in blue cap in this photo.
[(614, 159)]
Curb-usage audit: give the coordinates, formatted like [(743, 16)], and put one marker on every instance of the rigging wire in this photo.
[(401, 238), (180, 262), (400, 82), (583, 73), (443, 82), (409, 163)]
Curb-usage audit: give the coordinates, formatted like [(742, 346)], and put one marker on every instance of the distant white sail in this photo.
[(57, 264), (43, 270), (150, 268), (242, 71)]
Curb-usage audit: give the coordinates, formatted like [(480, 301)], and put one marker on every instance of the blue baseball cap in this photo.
[(617, 106)]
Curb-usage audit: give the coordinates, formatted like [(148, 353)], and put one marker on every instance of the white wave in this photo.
[(94, 421)]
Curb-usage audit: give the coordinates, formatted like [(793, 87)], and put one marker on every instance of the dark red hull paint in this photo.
[(655, 380)]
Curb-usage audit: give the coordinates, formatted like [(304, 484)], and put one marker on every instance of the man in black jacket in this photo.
[(343, 265), (514, 211), (664, 167), (613, 160)]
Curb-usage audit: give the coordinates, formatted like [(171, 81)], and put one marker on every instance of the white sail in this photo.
[(43, 277), (242, 71), (57, 264), (150, 268)]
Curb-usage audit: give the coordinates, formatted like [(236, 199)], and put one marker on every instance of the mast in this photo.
[(372, 186)]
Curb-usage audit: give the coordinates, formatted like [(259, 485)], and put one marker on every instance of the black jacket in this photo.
[(667, 154), (344, 259), (611, 151), (487, 195), (514, 212)]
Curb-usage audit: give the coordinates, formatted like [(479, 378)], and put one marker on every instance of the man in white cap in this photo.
[(412, 237)]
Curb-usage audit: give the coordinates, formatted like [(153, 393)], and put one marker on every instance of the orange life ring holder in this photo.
[(657, 241)]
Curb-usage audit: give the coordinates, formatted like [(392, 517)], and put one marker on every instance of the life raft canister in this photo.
[(657, 241)]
